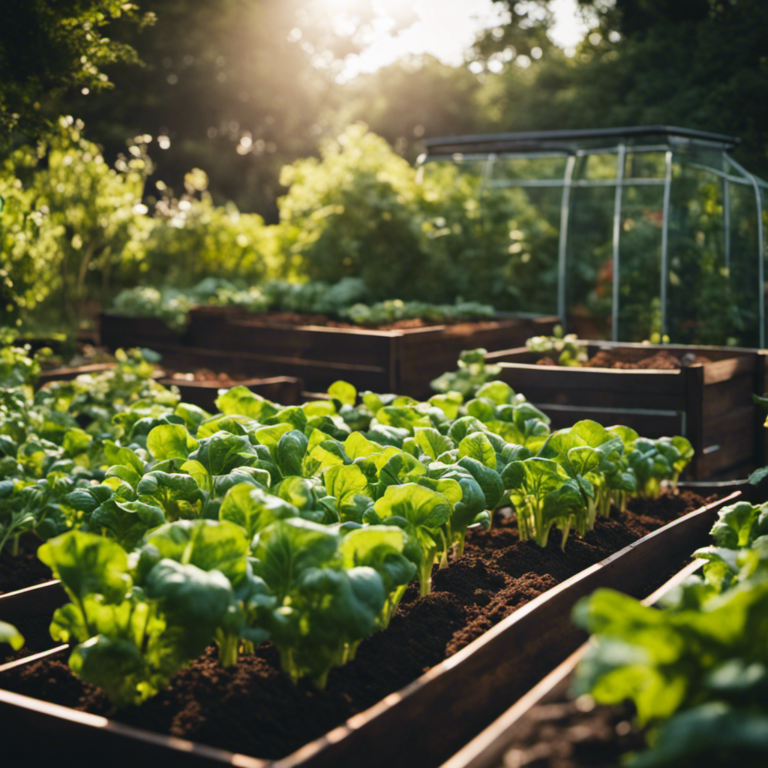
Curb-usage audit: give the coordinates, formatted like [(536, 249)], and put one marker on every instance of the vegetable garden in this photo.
[(328, 445)]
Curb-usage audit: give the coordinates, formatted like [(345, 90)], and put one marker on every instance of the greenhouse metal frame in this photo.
[(707, 152)]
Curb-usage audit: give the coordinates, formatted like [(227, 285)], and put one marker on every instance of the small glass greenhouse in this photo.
[(625, 232)]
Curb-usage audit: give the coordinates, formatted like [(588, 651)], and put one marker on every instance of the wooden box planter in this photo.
[(120, 331), (710, 403), (402, 361), (418, 727), (285, 390), (487, 750)]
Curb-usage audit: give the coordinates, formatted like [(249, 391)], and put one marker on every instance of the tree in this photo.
[(693, 63), (47, 47)]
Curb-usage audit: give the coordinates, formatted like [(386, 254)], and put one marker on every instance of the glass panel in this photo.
[(521, 167), (523, 225), (645, 165), (589, 263), (712, 296), (598, 167), (639, 262)]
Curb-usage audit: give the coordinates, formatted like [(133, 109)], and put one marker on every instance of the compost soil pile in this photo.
[(254, 709), (637, 359)]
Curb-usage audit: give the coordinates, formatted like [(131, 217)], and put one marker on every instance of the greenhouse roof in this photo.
[(573, 139)]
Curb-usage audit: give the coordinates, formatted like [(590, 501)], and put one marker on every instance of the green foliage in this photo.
[(696, 670), (471, 375), (11, 636), (221, 241), (70, 228), (46, 48), (565, 350)]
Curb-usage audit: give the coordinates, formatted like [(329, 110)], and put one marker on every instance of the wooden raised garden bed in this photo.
[(285, 390), (539, 725), (401, 360), (710, 403), (421, 724), (122, 331)]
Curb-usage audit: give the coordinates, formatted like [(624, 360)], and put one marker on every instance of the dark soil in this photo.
[(24, 570), (295, 319), (254, 709), (637, 359), (561, 733)]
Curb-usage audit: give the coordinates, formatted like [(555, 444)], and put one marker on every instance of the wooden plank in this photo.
[(607, 380), (727, 394), (121, 331), (728, 440), (693, 377), (649, 424), (338, 345), (723, 370)]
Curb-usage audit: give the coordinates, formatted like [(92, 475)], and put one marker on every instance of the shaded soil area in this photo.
[(23, 570), (637, 359), (254, 709), (562, 733)]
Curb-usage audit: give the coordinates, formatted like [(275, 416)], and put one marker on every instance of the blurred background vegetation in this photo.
[(163, 141)]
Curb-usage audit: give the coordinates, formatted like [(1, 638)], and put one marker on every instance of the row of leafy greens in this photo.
[(171, 528), (349, 300), (696, 670)]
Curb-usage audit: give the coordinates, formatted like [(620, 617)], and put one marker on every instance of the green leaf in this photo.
[(497, 391), (343, 392), (431, 442), (735, 525), (10, 635), (420, 506), (488, 479), (170, 441), (254, 510), (210, 545), (242, 402), (477, 446), (289, 453), (345, 482), (286, 549), (88, 564)]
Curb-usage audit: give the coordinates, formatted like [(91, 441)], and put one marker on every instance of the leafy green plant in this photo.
[(696, 670), (472, 373), (564, 349)]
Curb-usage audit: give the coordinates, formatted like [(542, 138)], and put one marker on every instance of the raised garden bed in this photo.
[(202, 387), (708, 402), (122, 331), (402, 360), (528, 591), (546, 728)]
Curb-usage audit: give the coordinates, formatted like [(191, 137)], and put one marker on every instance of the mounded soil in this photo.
[(254, 709), (637, 359), (295, 319)]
